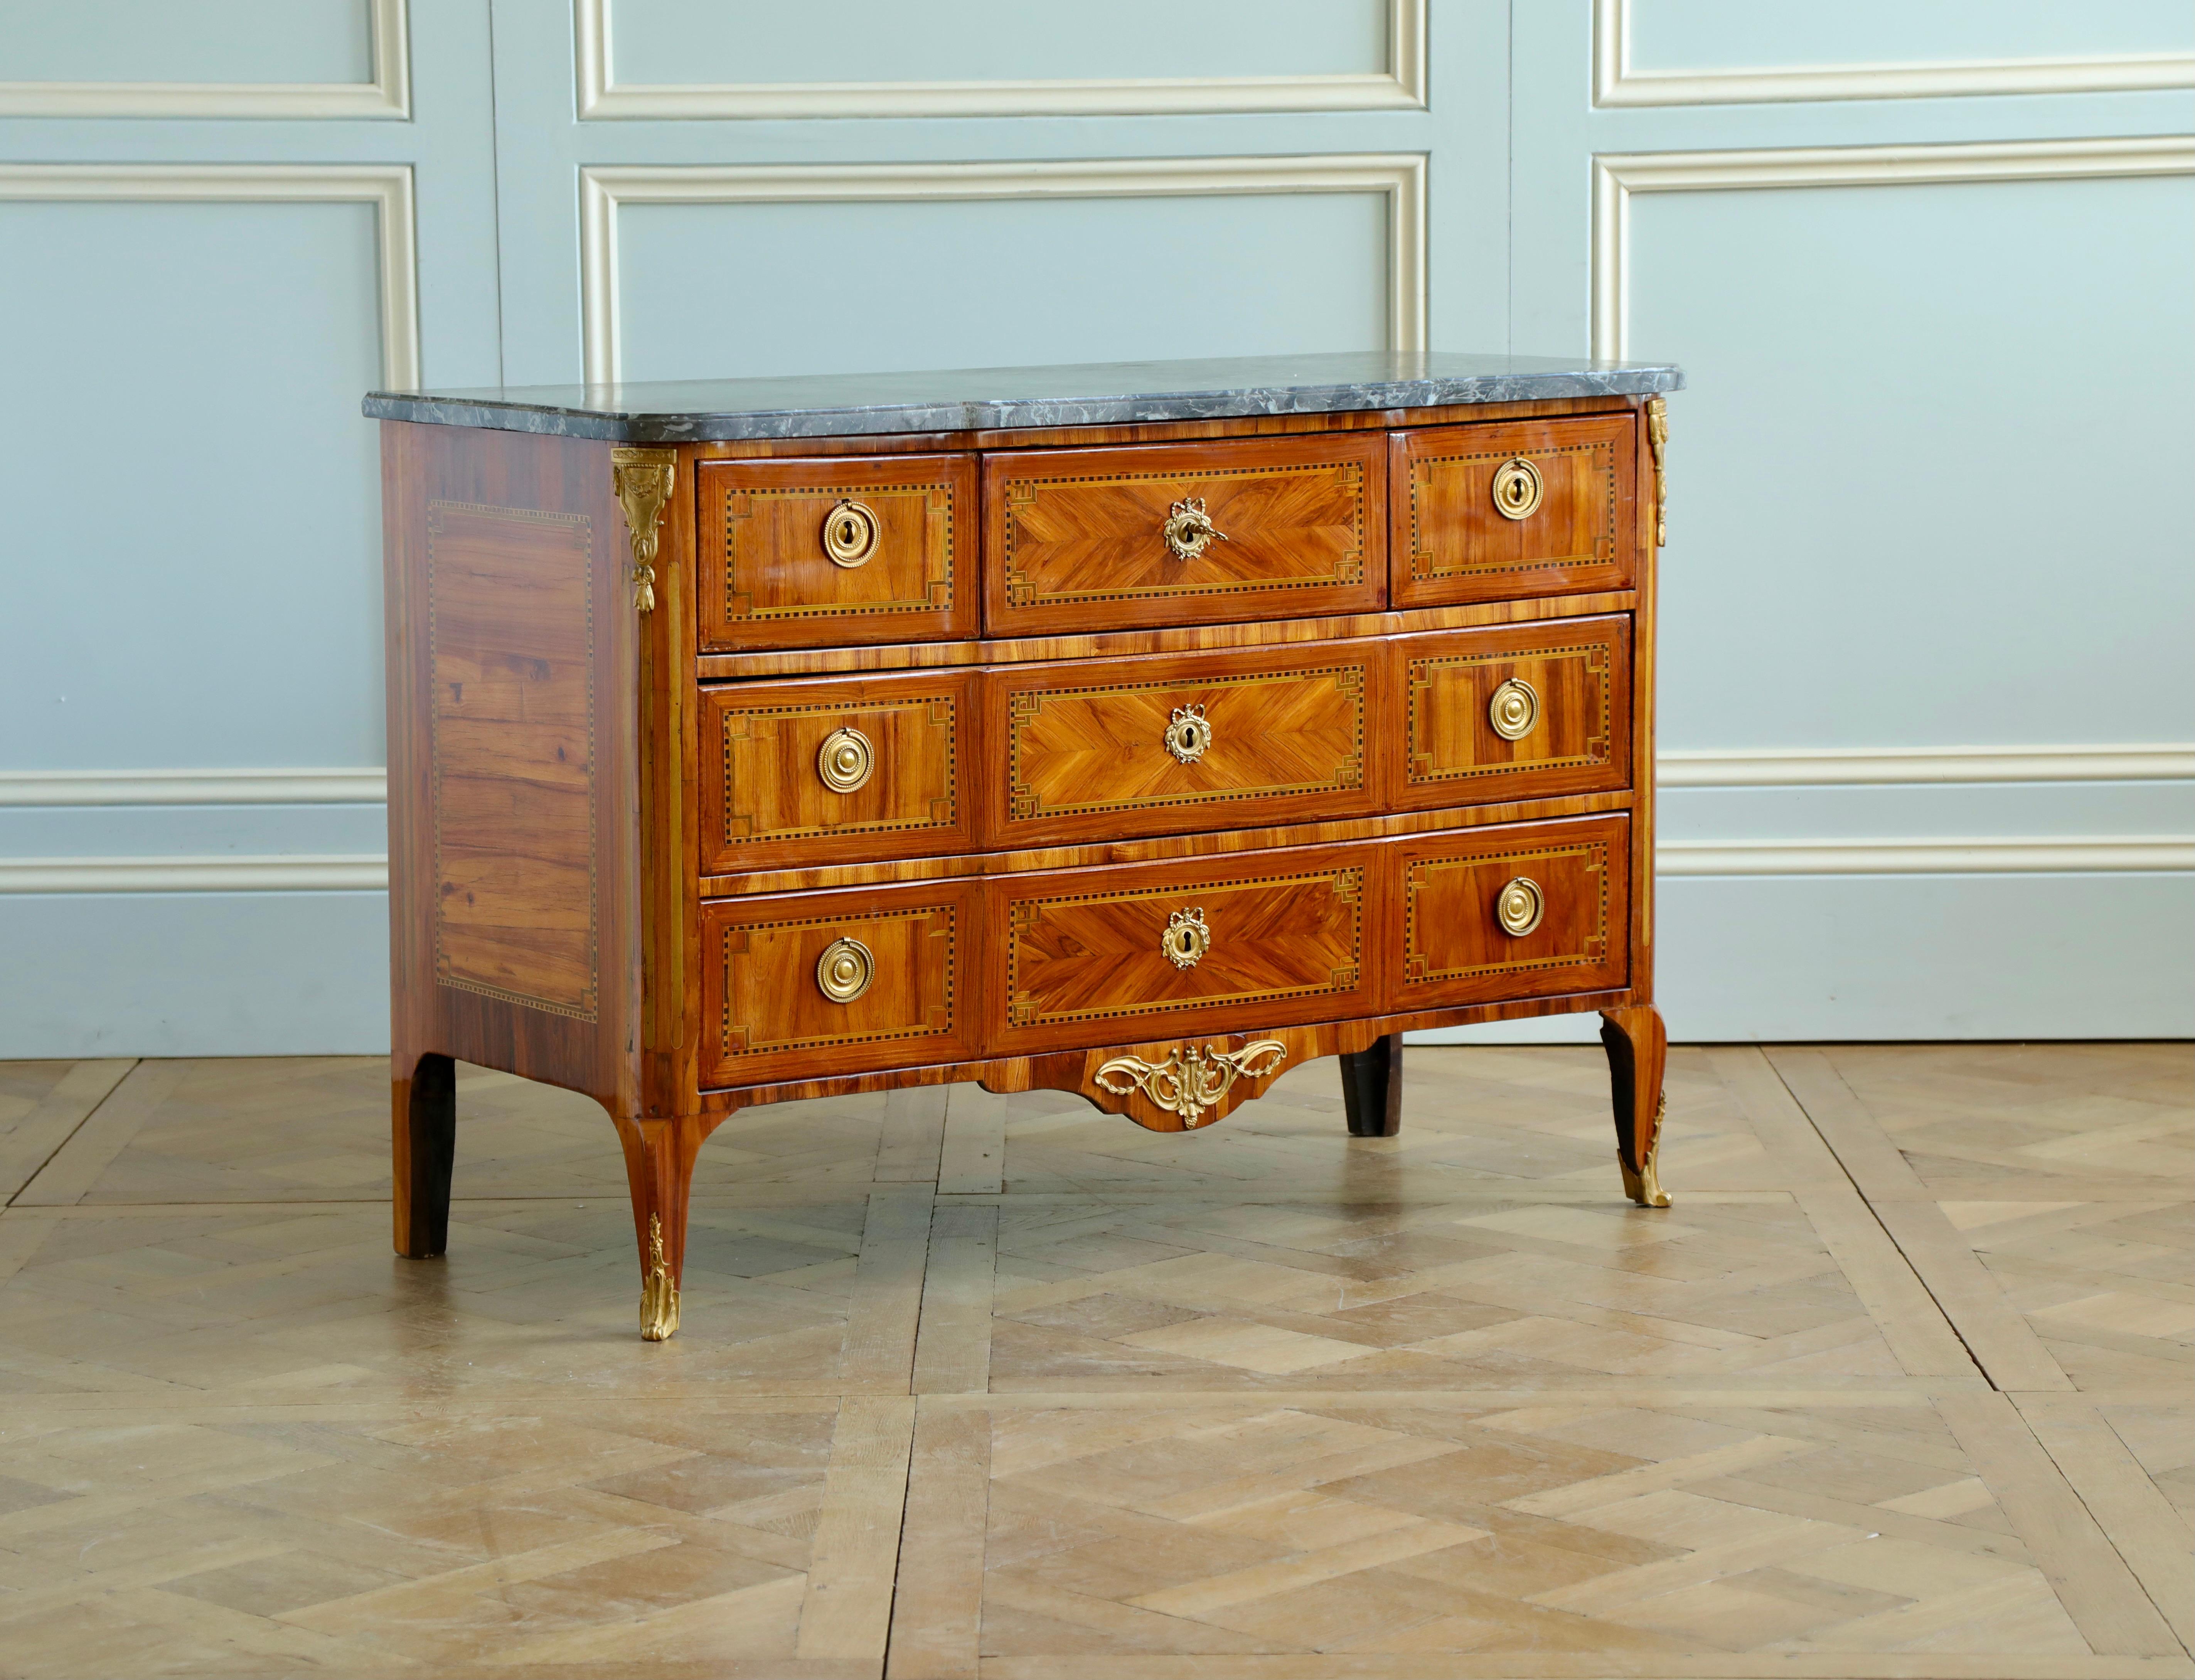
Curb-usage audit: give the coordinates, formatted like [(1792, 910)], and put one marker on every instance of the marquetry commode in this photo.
[(1139, 731)]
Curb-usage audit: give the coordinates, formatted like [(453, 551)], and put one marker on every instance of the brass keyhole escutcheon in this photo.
[(846, 759), (844, 970), (1519, 907), (1186, 939), (1516, 488), (849, 534), (1189, 530), (1188, 736), (1514, 710)]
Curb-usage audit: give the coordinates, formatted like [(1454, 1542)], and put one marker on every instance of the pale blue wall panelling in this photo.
[(1873, 543)]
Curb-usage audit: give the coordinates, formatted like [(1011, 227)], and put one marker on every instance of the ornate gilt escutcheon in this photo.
[(849, 534), (1186, 939), (1657, 439), (641, 480), (658, 1296), (1188, 736), (1194, 1078), (1517, 489), (1189, 530), (1645, 1186)]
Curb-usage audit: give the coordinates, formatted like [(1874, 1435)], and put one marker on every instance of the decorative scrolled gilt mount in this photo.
[(1514, 710), (1518, 907), (1657, 439), (1644, 1187), (846, 969), (846, 759), (1194, 1078), (1188, 736), (1517, 489), (1189, 530), (849, 534), (658, 1296), (643, 480), (1186, 939)]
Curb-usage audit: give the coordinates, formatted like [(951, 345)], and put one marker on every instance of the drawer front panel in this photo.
[(1076, 540), (836, 771), (1563, 888), (766, 963), (1098, 749), (1572, 484), (1081, 957), (1518, 712), (808, 553)]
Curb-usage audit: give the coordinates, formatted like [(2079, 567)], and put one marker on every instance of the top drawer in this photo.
[(1495, 511), (821, 553), (1089, 539)]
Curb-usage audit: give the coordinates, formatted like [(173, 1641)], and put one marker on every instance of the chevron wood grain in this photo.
[(983, 1387)]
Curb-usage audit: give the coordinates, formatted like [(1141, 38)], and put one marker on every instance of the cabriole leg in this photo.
[(423, 1139), (1638, 1046), (1372, 1087), (658, 1168)]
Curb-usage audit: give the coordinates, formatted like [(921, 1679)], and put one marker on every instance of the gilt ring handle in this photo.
[(1518, 489), (1520, 905), (845, 970), (849, 534), (1514, 709), (846, 759)]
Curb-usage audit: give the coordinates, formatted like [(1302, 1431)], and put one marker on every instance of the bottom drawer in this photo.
[(804, 984), (1492, 913)]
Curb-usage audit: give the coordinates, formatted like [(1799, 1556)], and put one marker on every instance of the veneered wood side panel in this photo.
[(1076, 958), (1082, 751), (1073, 539), (768, 1017), (513, 833), (1451, 545), (764, 801), (1447, 751), (765, 580), (1452, 948)]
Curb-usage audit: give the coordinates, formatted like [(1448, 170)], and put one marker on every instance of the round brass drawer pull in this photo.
[(1186, 939), (1520, 906), (1188, 736), (844, 970), (1514, 711), (1516, 488), (846, 760), (1189, 530), (849, 534)]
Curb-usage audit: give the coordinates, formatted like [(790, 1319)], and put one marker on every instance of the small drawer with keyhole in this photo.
[(832, 553), (837, 770), (1512, 910), (1507, 509), (1515, 712)]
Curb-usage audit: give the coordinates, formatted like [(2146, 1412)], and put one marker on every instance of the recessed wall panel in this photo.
[(279, 41), (1680, 36), (193, 531), (708, 41), (1929, 480), (722, 290)]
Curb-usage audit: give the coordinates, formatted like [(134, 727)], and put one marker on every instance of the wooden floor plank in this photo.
[(953, 1345), (32, 1128), (846, 1612), (913, 1132), (974, 1154), (91, 1147), (938, 1612)]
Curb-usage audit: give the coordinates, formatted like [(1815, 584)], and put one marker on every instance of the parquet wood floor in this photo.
[(973, 1387)]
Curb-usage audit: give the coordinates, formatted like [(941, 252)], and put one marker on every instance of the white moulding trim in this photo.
[(1617, 177), (1833, 766), (388, 95), (51, 787), (386, 187), (1615, 83), (603, 190), (282, 873), (2084, 854), (1401, 86), (2060, 855)]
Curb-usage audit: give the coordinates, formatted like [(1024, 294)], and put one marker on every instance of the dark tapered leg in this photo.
[(424, 1117), (1372, 1087), (1638, 1046)]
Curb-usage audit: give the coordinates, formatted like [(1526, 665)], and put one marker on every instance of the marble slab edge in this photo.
[(1009, 414)]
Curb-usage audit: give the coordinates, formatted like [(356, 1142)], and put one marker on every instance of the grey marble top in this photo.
[(1123, 393)]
